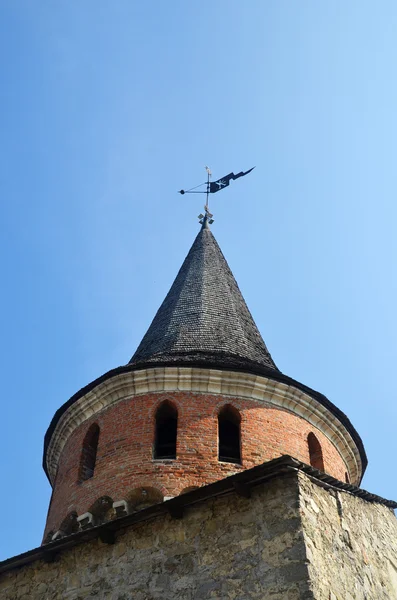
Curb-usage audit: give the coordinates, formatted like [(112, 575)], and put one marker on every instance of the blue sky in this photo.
[(106, 110)]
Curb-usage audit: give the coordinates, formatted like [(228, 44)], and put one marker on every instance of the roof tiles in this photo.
[(204, 316)]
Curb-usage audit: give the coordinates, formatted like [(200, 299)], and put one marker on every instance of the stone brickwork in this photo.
[(125, 451), (351, 545), (292, 539), (228, 547)]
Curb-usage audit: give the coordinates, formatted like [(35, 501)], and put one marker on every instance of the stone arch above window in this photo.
[(315, 452), (89, 453), (166, 426), (229, 434)]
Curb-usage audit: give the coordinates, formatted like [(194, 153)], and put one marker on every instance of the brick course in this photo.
[(125, 450)]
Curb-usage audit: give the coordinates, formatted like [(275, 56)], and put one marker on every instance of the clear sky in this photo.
[(107, 108)]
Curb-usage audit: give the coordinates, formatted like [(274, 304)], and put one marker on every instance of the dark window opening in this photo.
[(166, 430), (88, 453), (229, 435), (347, 478), (315, 452)]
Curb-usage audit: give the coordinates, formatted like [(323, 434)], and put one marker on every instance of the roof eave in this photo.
[(247, 368)]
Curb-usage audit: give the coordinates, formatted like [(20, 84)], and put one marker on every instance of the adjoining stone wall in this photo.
[(227, 548), (125, 451), (351, 545), (292, 540)]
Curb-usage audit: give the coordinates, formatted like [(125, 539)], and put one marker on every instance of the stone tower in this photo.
[(200, 471), (200, 399)]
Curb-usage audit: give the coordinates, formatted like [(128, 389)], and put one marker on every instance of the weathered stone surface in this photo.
[(351, 545), (291, 540), (229, 547)]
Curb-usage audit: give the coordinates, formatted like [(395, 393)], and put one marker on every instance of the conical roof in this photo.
[(204, 317)]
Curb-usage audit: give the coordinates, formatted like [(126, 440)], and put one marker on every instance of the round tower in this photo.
[(200, 399)]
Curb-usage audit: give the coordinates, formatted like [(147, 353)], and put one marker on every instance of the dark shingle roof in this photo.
[(204, 316)]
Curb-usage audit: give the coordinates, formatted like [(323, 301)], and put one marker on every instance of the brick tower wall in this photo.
[(125, 450)]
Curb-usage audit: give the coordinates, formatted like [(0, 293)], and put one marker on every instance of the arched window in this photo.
[(229, 435), (88, 453), (315, 452), (166, 430)]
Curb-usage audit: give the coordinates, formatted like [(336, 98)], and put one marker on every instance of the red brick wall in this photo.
[(124, 458)]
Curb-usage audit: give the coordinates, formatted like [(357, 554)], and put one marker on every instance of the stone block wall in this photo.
[(226, 547), (351, 545), (292, 539)]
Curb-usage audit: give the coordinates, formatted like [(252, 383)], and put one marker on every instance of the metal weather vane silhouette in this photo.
[(212, 188)]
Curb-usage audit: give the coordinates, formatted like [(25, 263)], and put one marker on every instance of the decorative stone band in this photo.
[(210, 381)]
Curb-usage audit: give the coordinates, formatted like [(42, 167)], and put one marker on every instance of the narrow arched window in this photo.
[(166, 430), (229, 435), (315, 452), (88, 453)]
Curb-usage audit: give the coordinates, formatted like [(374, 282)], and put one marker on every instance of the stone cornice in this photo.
[(212, 381)]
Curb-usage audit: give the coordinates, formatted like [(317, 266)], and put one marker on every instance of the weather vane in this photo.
[(212, 188)]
